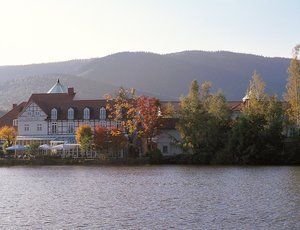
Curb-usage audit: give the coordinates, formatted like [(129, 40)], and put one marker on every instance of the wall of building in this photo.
[(165, 142), (32, 122)]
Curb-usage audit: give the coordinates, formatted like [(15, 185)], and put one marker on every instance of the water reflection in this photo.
[(150, 197)]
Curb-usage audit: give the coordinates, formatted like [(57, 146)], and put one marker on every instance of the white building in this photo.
[(54, 116)]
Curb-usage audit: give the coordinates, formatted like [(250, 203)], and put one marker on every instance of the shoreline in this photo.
[(113, 162)]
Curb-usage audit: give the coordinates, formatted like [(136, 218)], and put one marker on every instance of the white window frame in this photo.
[(15, 122), (86, 114), (70, 114), (54, 128), (102, 113), (54, 114), (26, 127), (39, 127)]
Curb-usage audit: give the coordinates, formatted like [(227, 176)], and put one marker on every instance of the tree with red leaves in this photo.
[(148, 111), (101, 137)]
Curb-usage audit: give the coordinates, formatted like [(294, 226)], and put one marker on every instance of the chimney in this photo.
[(14, 106), (71, 91)]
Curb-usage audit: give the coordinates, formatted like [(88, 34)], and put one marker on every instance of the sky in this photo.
[(35, 31)]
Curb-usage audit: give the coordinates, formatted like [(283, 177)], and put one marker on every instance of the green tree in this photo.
[(257, 99), (84, 136), (256, 137), (203, 121)]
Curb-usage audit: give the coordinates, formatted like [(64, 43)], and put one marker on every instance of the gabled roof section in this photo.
[(63, 101), (7, 119), (48, 101)]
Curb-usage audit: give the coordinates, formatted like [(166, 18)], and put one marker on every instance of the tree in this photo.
[(256, 137), (192, 118), (292, 95), (101, 137), (169, 111), (203, 121), (84, 136), (218, 124), (8, 134), (122, 109), (148, 109), (118, 141), (257, 99)]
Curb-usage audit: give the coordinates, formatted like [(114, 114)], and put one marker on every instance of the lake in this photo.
[(149, 197)]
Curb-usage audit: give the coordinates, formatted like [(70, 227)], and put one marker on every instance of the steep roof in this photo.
[(7, 119), (63, 101)]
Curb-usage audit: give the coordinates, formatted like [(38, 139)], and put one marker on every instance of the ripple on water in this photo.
[(150, 197)]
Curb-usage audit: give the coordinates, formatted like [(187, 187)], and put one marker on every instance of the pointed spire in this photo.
[(58, 88)]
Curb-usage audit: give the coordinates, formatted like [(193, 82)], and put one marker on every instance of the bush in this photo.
[(155, 156)]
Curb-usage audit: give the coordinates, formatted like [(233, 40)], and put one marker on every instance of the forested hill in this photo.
[(165, 76)]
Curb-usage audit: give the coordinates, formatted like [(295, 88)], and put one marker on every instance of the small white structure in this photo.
[(166, 142)]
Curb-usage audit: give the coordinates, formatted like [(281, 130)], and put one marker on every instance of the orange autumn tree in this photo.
[(84, 137), (101, 137), (8, 134), (123, 110), (148, 110), (117, 139)]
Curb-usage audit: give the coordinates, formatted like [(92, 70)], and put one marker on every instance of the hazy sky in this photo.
[(35, 31)]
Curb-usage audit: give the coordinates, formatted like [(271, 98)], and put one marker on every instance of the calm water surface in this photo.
[(152, 197)]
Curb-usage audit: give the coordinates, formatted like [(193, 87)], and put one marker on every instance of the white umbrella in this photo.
[(45, 147), (17, 148), (65, 146)]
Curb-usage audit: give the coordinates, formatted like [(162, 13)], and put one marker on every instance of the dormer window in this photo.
[(102, 113), (54, 114), (70, 114), (86, 114)]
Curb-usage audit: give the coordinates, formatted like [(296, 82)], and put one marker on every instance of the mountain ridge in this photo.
[(166, 76)]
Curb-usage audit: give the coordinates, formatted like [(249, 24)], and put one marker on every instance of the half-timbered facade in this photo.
[(55, 116)]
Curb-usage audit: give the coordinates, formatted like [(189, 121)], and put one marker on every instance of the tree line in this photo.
[(265, 132)]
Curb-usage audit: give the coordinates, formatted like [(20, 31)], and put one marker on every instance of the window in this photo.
[(86, 114), (54, 114), (102, 113), (30, 113), (70, 128), (165, 149), (26, 127), (103, 123), (70, 113), (54, 128), (37, 113), (39, 127), (119, 124), (15, 122)]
